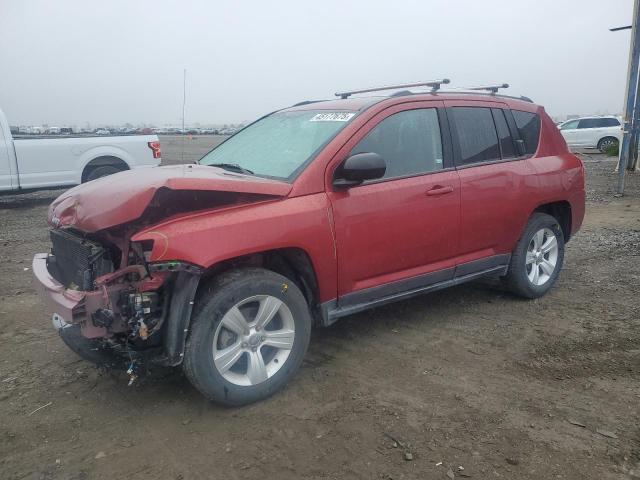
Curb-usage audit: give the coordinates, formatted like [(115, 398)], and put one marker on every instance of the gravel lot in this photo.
[(467, 382)]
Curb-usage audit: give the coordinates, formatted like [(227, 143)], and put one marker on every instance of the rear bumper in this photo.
[(59, 300)]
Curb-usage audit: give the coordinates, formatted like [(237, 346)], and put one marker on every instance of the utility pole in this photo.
[(630, 127)]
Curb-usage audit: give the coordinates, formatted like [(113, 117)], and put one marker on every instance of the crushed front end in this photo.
[(109, 304)]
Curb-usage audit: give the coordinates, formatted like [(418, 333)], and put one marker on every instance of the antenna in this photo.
[(434, 84), (184, 103), (491, 88)]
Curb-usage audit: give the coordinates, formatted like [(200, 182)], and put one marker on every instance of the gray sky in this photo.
[(71, 62)]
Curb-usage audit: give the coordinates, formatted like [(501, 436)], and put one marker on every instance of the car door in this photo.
[(590, 130), (400, 232), (495, 181), (569, 131)]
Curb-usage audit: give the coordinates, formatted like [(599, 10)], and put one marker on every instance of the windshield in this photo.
[(280, 144)]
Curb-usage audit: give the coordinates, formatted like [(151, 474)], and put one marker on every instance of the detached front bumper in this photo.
[(60, 301)]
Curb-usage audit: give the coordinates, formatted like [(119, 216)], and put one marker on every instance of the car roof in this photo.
[(593, 116), (360, 103)]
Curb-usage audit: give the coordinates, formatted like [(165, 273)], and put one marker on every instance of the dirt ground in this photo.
[(467, 382)]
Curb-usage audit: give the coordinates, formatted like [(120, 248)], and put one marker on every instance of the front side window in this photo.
[(477, 137), (571, 125), (409, 142), (529, 128), (280, 144)]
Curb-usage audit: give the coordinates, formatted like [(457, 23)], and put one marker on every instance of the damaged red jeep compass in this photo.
[(310, 213)]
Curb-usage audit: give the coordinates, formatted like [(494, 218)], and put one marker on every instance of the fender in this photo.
[(208, 238)]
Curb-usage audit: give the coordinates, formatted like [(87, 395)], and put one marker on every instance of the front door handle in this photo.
[(440, 190)]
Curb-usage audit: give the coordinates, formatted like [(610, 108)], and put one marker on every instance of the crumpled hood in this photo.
[(127, 196)]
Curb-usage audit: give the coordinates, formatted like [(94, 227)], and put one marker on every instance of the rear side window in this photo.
[(590, 123), (504, 135), (529, 128), (611, 122), (477, 137), (409, 142)]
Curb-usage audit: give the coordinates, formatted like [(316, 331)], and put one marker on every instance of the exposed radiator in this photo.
[(75, 261)]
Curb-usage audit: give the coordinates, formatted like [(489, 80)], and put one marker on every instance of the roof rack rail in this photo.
[(305, 102), (435, 85), (491, 88)]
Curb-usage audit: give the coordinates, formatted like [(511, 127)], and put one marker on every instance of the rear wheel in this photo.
[(249, 334), (607, 143), (103, 171), (537, 259)]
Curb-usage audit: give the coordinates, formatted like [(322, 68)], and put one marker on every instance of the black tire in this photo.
[(213, 301), (100, 172), (517, 278), (606, 143)]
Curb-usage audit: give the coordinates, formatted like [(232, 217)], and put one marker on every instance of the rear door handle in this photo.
[(440, 190)]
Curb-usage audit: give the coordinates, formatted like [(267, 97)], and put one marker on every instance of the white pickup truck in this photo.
[(38, 163)]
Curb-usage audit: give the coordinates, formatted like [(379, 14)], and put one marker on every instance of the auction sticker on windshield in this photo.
[(332, 117)]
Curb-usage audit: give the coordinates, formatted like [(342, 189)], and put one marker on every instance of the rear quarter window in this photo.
[(529, 128)]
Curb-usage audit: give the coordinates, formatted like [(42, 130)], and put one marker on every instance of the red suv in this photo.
[(309, 214)]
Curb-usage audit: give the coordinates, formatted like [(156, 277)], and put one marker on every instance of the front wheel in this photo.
[(537, 259), (250, 331)]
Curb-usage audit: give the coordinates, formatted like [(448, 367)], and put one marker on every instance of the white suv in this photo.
[(592, 132)]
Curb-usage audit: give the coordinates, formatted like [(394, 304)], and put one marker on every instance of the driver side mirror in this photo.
[(359, 168)]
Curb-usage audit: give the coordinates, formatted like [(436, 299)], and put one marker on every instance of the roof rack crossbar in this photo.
[(435, 85), (491, 88)]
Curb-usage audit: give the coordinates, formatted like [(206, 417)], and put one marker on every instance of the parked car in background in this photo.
[(592, 132), (102, 131), (28, 163), (311, 213)]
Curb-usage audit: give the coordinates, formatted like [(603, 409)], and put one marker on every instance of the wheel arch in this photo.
[(101, 161), (612, 137), (561, 211), (291, 262), (92, 154)]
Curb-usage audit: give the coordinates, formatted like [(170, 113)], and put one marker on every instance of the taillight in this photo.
[(155, 148)]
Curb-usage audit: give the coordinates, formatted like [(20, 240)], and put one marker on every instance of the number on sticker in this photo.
[(332, 117)]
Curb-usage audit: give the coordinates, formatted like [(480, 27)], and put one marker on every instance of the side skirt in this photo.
[(374, 297)]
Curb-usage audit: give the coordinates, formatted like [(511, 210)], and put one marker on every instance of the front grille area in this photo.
[(75, 261)]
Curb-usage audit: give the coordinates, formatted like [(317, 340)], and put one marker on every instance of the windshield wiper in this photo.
[(232, 167)]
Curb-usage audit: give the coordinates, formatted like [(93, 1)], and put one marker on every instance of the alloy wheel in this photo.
[(542, 256), (606, 144), (253, 340)]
